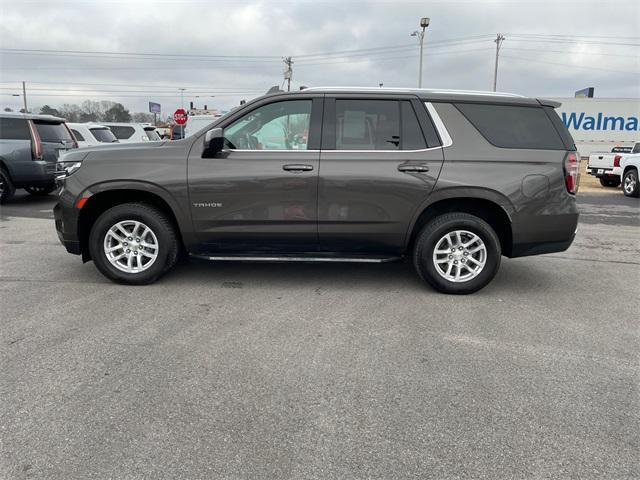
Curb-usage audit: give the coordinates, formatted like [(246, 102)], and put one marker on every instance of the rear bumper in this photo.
[(604, 172), (549, 233)]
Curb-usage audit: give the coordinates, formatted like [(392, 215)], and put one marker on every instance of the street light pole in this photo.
[(424, 23), (182, 97), (24, 97), (499, 39)]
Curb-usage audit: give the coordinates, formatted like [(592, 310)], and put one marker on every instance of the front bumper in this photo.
[(66, 220)]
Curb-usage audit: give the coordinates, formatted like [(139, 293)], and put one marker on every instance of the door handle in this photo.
[(296, 167), (412, 168)]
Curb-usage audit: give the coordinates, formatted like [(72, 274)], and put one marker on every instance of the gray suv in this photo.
[(29, 149), (453, 180)]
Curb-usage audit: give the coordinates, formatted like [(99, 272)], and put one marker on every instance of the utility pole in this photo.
[(499, 39), (288, 73), (24, 97)]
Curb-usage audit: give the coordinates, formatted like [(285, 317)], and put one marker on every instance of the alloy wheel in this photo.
[(630, 183), (131, 246), (459, 256)]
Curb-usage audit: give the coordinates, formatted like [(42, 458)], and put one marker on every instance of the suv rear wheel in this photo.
[(609, 181), (6, 187), (41, 190), (457, 253), (133, 243), (630, 183)]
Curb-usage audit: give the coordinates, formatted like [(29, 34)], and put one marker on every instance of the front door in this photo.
[(380, 160), (260, 193)]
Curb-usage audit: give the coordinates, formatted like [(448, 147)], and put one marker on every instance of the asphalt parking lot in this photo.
[(321, 371)]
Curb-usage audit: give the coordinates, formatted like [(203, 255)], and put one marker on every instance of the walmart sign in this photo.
[(582, 121)]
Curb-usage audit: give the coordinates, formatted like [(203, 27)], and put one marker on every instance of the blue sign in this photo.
[(154, 107), (584, 93), (600, 121)]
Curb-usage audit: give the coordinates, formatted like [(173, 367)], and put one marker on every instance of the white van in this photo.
[(92, 134)]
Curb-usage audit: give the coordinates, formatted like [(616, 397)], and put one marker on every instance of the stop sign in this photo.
[(180, 116)]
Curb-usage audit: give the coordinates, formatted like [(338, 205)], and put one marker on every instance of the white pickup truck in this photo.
[(630, 166), (606, 166)]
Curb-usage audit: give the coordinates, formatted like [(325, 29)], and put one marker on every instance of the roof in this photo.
[(86, 124), (31, 116), (430, 94)]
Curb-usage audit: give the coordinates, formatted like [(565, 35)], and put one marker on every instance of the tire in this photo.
[(144, 269), (41, 190), (7, 189), (470, 226), (630, 185), (610, 181)]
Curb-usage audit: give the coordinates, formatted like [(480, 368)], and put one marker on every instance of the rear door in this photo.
[(380, 159), (260, 193)]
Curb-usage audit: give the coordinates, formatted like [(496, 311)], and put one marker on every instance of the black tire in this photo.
[(160, 225), (41, 190), (434, 231), (610, 181), (630, 185), (7, 189)]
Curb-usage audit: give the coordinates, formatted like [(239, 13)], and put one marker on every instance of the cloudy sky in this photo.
[(139, 51)]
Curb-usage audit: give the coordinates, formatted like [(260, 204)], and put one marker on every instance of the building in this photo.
[(599, 124)]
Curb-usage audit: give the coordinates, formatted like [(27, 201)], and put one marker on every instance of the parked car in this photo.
[(453, 180), (196, 123), (606, 165), (92, 134), (133, 132), (630, 166), (29, 149)]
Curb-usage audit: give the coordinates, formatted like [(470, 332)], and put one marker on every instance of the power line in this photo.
[(528, 59)]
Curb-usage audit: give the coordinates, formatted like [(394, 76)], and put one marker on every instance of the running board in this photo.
[(294, 258)]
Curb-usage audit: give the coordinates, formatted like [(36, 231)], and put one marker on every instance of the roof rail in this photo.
[(424, 90)]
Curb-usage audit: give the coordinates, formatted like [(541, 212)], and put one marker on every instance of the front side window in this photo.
[(367, 125), (276, 126), (636, 148)]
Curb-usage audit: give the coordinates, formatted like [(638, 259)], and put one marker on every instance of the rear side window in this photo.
[(512, 126), (53, 132), (103, 135), (122, 132), (14, 129), (367, 125), (78, 135), (412, 138)]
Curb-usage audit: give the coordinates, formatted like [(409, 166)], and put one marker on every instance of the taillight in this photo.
[(616, 160), (36, 143), (571, 172)]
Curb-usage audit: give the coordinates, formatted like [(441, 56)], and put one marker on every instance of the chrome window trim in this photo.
[(439, 124), (267, 150)]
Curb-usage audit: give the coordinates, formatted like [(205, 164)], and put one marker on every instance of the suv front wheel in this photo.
[(457, 253), (133, 243)]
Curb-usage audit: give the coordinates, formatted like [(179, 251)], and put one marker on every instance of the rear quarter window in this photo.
[(78, 135), (14, 129), (513, 126)]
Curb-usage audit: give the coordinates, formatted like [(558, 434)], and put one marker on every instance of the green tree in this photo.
[(47, 110), (117, 113)]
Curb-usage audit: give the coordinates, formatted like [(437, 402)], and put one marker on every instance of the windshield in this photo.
[(152, 134), (103, 135), (53, 132)]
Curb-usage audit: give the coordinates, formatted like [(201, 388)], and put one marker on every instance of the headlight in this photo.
[(64, 169)]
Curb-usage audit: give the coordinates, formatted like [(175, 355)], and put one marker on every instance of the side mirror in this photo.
[(213, 142)]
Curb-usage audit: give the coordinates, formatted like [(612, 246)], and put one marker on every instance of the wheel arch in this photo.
[(489, 207), (106, 196)]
